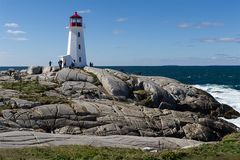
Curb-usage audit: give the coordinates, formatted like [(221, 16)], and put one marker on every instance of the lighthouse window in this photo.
[(79, 46), (80, 59), (78, 34)]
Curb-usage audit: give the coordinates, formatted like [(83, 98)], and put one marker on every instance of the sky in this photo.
[(122, 32)]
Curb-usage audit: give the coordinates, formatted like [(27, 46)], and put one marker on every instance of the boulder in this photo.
[(68, 130), (23, 71), (183, 97), (67, 74), (158, 94), (78, 88), (34, 70), (6, 78), (113, 85), (48, 84), (199, 132), (7, 93), (20, 103), (46, 69), (120, 75)]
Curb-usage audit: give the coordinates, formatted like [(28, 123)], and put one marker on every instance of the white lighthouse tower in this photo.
[(76, 55)]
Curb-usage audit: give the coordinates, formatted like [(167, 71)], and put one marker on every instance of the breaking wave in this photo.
[(224, 94)]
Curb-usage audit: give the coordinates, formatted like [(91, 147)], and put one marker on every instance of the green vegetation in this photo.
[(140, 92), (44, 99), (227, 149), (27, 87), (144, 98), (33, 91)]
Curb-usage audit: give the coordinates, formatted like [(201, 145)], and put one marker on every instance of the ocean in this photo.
[(222, 82)]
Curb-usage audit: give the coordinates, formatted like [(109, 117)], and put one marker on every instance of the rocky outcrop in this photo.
[(18, 139), (79, 88), (67, 74), (34, 70), (106, 117), (112, 84), (105, 102), (20, 103), (183, 97)]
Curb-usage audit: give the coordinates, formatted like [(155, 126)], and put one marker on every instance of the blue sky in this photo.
[(123, 32)]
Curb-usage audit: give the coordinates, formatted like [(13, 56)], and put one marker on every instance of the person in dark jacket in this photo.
[(60, 64)]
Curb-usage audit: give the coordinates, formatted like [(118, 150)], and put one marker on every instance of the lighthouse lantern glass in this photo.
[(75, 22)]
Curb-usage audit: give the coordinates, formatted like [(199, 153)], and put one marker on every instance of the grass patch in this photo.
[(27, 87), (227, 149), (140, 92), (144, 98), (44, 99), (34, 91), (74, 152)]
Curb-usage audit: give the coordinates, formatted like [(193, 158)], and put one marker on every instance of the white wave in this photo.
[(234, 121), (226, 95)]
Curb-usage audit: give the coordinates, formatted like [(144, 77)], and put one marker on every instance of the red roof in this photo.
[(75, 15)]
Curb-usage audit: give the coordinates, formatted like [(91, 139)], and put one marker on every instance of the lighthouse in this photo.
[(76, 55)]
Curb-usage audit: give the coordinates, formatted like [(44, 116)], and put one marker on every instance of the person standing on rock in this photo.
[(73, 64), (60, 64), (50, 63)]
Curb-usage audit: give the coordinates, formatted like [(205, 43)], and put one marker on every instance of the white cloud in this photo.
[(85, 11), (121, 19), (117, 31), (12, 25), (15, 32), (221, 40), (184, 25), (20, 38), (199, 25), (209, 24)]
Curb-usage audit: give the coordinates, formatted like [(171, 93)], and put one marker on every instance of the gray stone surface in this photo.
[(106, 117), (18, 139), (46, 69), (48, 84), (120, 75), (34, 70), (78, 88), (113, 85), (68, 130), (6, 78), (186, 97), (106, 102), (158, 94), (67, 74), (7, 93), (20, 103)]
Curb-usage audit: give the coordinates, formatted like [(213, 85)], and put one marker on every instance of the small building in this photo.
[(76, 55)]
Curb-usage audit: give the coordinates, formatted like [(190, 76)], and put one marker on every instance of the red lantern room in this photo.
[(75, 20)]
